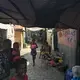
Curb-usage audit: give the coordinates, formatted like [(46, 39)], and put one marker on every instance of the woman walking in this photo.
[(33, 50)]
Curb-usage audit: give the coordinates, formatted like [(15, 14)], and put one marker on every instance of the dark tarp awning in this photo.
[(44, 13), (71, 17)]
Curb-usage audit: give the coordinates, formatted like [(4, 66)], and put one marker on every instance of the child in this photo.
[(21, 69), (15, 52), (76, 73)]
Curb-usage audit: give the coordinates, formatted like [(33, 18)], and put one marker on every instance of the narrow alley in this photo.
[(53, 23), (40, 71)]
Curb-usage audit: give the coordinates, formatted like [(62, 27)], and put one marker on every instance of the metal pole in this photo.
[(78, 47), (45, 34), (25, 35)]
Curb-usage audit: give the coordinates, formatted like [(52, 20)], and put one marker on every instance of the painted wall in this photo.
[(19, 38), (67, 37), (19, 35), (49, 37), (67, 44), (10, 34)]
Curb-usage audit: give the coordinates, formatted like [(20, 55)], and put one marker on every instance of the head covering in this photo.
[(16, 45), (76, 71)]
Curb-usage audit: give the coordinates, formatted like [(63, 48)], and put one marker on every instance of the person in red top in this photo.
[(15, 52), (21, 69), (33, 50)]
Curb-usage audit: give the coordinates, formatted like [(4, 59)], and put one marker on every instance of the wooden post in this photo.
[(78, 48)]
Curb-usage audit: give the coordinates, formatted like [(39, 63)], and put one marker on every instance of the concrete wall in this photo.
[(69, 54), (67, 45), (10, 34), (19, 38), (19, 35), (49, 37)]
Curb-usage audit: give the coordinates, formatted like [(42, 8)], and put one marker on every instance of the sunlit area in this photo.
[(28, 63), (49, 53)]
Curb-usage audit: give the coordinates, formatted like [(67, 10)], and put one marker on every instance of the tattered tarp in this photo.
[(35, 29), (43, 13), (5, 27)]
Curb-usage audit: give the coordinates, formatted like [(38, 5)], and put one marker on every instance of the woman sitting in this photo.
[(45, 51)]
